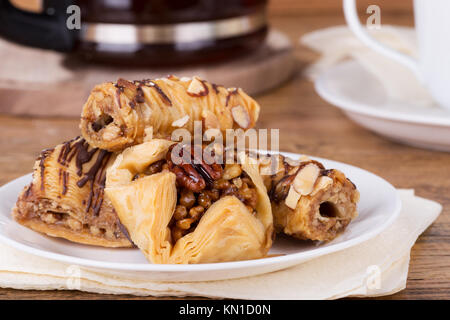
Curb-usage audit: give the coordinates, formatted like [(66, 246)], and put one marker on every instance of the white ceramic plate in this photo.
[(350, 87), (378, 207)]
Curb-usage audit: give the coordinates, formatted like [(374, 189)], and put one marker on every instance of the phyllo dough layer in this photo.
[(187, 214), (309, 201), (121, 114), (66, 197)]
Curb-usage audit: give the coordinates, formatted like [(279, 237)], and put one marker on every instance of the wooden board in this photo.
[(32, 94)]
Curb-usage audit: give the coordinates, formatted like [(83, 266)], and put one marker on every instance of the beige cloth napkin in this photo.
[(339, 43), (376, 267)]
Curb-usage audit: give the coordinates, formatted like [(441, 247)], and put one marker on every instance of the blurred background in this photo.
[(53, 52)]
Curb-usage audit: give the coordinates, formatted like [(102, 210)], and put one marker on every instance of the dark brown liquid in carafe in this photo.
[(139, 13)]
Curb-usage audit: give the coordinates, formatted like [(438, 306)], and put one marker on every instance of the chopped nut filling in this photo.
[(64, 219), (199, 186)]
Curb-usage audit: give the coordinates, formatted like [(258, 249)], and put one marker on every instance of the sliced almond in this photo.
[(180, 122), (240, 116), (292, 162), (210, 120), (322, 183), (306, 178), (292, 198), (197, 87), (185, 79)]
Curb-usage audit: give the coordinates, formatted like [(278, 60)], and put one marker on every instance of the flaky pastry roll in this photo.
[(189, 213), (65, 198), (308, 201), (121, 114)]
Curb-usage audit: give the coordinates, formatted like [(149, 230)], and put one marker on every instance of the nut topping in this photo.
[(180, 122), (292, 162), (240, 116), (322, 183), (306, 178), (197, 88), (280, 190), (195, 174), (232, 171), (292, 198)]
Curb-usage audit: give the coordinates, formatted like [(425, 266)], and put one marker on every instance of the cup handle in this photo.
[(351, 16)]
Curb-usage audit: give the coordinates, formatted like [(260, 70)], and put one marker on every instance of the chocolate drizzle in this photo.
[(28, 191), (139, 98), (80, 149), (279, 190), (97, 178), (65, 180), (326, 172), (91, 174), (44, 154), (215, 88), (136, 85), (125, 232), (158, 89), (96, 174), (119, 91), (83, 155), (65, 150), (230, 93)]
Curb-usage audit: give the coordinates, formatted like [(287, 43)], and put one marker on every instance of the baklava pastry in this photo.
[(125, 113), (309, 202), (189, 213), (66, 197)]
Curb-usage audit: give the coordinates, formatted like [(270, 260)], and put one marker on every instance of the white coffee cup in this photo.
[(432, 26)]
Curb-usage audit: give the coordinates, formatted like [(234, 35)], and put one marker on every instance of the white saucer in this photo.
[(350, 87), (378, 208)]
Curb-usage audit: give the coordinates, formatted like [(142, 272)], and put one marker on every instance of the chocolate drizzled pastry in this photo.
[(118, 115), (66, 197)]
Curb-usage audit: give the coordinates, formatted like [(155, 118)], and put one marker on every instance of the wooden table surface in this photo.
[(307, 125)]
